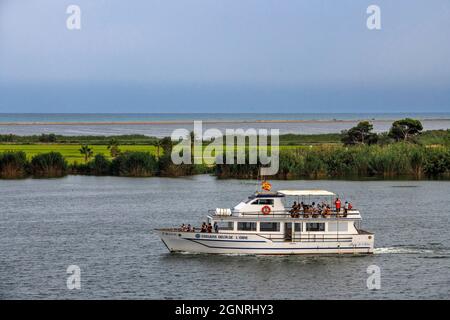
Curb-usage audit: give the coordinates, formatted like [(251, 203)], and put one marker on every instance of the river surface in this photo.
[(105, 226)]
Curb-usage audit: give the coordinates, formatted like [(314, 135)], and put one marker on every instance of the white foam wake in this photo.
[(401, 250)]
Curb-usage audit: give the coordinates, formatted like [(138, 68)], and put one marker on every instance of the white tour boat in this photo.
[(263, 225)]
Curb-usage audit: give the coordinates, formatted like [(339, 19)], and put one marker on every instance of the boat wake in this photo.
[(401, 250)]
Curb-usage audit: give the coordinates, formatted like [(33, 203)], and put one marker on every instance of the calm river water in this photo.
[(105, 226)]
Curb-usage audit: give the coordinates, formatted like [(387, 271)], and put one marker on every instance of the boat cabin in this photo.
[(255, 204), (273, 215)]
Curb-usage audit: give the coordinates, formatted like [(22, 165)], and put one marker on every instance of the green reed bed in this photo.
[(391, 161)]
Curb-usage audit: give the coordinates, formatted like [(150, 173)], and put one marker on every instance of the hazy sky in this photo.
[(224, 56)]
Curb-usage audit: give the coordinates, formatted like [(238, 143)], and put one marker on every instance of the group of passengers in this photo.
[(305, 209), (209, 228), (204, 228), (318, 208), (187, 228)]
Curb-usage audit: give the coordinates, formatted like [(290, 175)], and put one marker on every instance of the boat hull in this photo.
[(254, 244)]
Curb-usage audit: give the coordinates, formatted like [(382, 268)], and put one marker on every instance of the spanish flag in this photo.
[(266, 186)]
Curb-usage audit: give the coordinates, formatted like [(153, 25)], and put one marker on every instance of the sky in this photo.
[(224, 56)]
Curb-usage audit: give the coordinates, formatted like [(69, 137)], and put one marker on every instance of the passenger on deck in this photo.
[(337, 204), (294, 208), (322, 207), (216, 227), (183, 227), (203, 227), (189, 229), (318, 207), (327, 210), (314, 210), (308, 208), (345, 207), (209, 228)]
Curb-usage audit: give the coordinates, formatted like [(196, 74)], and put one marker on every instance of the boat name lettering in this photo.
[(221, 236), (214, 236)]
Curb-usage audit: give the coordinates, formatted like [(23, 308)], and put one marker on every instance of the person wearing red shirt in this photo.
[(337, 204)]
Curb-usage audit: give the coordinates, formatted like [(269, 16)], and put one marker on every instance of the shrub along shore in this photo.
[(400, 160), (403, 152), (15, 165)]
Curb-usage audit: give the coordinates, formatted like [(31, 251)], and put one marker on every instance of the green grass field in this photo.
[(70, 151), (289, 141), (69, 146)]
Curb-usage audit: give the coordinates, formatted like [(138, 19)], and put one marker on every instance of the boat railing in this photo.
[(185, 229), (286, 213)]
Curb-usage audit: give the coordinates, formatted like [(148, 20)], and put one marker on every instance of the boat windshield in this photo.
[(250, 199)]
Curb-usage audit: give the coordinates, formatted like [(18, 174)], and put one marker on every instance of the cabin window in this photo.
[(333, 226), (263, 202), (298, 227), (250, 199), (247, 226), (269, 226), (313, 226), (225, 225)]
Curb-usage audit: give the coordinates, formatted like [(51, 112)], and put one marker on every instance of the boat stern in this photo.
[(364, 240)]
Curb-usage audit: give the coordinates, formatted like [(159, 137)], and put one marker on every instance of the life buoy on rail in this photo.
[(265, 210)]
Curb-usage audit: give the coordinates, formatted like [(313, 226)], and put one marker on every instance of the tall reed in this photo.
[(48, 165), (13, 165), (134, 164), (389, 161)]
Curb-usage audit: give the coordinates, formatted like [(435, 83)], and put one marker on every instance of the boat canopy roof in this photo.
[(306, 193), (266, 195)]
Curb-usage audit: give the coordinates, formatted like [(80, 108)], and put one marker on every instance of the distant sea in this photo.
[(162, 124)]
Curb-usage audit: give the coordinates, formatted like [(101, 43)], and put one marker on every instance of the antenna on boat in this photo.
[(265, 185), (260, 179)]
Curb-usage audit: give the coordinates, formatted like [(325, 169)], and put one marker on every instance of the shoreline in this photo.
[(402, 178), (183, 122)]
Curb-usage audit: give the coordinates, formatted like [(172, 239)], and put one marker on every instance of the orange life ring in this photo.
[(265, 210)]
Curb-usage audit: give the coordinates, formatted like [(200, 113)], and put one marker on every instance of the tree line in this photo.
[(406, 130)]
